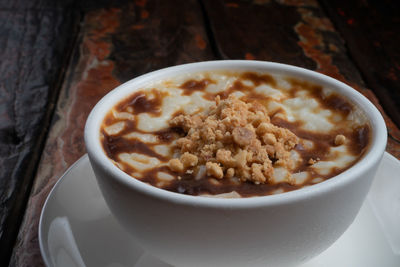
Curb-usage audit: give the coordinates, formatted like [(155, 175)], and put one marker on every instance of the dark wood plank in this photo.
[(60, 4), (157, 35), (33, 48), (115, 45), (296, 32), (292, 32), (371, 29)]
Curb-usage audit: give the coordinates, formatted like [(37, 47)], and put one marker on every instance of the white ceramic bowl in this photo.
[(277, 230)]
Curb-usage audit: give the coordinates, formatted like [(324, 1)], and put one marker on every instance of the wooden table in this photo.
[(60, 57)]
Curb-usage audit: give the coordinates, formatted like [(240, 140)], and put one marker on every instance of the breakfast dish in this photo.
[(234, 134), (206, 148)]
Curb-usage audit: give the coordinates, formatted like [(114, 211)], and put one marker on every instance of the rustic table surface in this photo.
[(60, 57)]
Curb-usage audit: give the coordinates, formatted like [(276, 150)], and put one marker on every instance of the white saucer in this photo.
[(77, 229)]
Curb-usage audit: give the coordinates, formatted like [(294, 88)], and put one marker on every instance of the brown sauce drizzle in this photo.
[(246, 189), (114, 145), (168, 135), (334, 102), (236, 86), (258, 79), (142, 104), (361, 137), (193, 85)]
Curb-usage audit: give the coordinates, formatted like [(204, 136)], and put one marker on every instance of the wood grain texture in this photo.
[(76, 5), (157, 34), (261, 30), (115, 45), (33, 47), (371, 29), (292, 32)]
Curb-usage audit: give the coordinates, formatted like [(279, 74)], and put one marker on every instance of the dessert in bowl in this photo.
[(232, 163)]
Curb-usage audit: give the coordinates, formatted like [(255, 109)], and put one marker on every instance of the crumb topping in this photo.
[(312, 161), (234, 139), (340, 139)]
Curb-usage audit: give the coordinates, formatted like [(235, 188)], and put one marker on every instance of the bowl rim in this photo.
[(369, 159)]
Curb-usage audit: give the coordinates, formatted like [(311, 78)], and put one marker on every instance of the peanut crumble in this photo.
[(234, 138)]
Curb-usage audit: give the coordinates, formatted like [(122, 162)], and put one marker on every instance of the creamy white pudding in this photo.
[(234, 134)]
